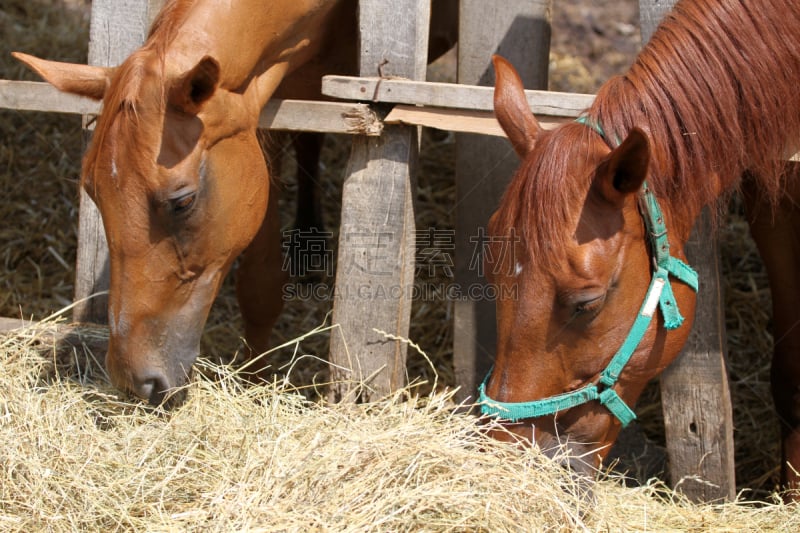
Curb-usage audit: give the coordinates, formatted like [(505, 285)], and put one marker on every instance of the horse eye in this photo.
[(590, 306), (183, 203)]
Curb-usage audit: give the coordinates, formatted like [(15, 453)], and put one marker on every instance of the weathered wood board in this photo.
[(449, 95), (460, 120), (377, 234), (695, 396), (292, 115)]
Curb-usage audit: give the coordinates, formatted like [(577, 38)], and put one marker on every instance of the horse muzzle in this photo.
[(154, 364), (151, 380)]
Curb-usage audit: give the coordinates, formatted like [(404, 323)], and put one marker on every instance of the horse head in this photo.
[(580, 262), (177, 173)]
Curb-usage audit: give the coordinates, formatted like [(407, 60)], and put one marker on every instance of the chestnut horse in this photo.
[(601, 208), (178, 175)]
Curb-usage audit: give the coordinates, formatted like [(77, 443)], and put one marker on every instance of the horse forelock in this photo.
[(545, 195), (140, 77), (133, 89)]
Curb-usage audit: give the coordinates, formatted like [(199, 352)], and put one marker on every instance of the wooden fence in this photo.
[(378, 192)]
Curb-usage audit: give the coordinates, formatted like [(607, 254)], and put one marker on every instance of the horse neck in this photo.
[(246, 40)]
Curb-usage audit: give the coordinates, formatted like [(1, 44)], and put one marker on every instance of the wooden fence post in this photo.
[(117, 28), (519, 30), (695, 397), (375, 273)]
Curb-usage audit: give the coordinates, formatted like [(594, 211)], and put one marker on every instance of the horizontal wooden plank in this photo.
[(294, 115), (447, 95), (40, 96), (323, 117), (461, 120), (320, 116), (338, 117)]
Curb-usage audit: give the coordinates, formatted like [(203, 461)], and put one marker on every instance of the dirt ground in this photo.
[(39, 170)]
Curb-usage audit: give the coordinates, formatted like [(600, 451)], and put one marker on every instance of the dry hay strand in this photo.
[(77, 456)]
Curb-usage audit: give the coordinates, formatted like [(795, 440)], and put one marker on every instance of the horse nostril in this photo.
[(154, 389)]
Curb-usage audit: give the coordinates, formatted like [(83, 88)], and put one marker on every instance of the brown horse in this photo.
[(178, 175), (601, 208)]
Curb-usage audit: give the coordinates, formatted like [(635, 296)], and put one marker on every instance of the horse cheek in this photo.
[(238, 201)]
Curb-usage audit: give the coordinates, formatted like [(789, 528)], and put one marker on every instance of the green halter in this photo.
[(659, 294)]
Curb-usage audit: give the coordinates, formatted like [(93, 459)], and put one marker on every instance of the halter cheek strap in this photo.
[(659, 295)]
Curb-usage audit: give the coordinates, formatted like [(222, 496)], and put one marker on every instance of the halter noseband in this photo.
[(659, 294)]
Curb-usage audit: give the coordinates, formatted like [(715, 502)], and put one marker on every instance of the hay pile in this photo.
[(77, 457)]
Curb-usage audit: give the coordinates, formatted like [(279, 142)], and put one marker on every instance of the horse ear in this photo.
[(625, 169), (511, 107), (83, 80), (195, 87)]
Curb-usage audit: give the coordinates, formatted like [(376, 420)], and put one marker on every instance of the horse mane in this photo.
[(123, 96), (735, 116), (715, 90), (166, 22)]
